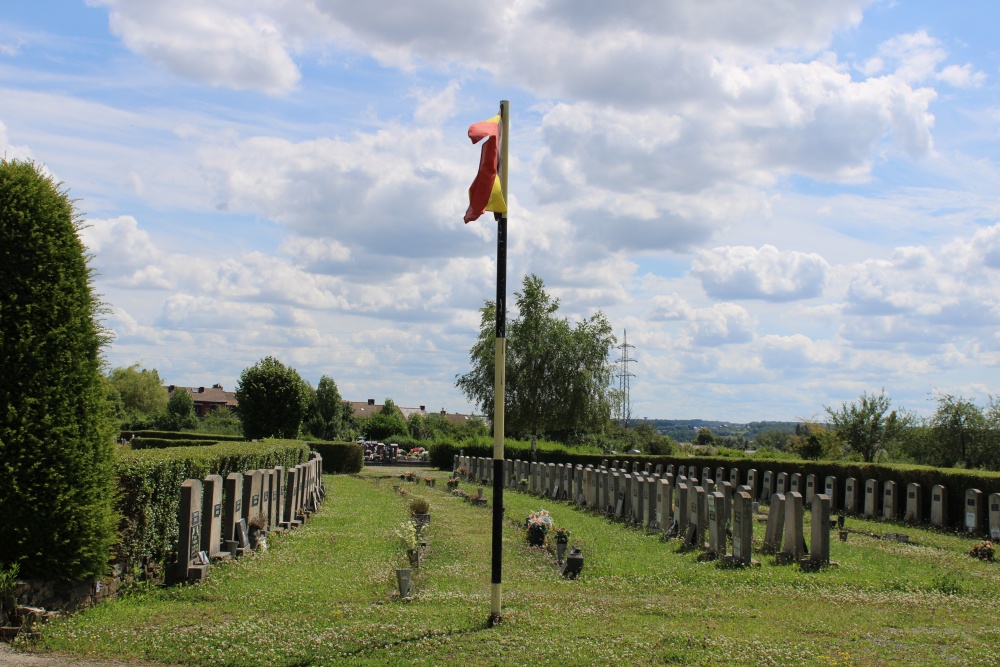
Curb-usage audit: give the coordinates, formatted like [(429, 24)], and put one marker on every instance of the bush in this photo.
[(56, 429), (149, 481), (162, 443), (419, 506), (340, 457), (181, 435)]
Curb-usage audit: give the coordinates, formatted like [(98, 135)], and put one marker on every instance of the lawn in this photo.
[(326, 595)]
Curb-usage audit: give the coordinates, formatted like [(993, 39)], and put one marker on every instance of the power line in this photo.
[(624, 377)]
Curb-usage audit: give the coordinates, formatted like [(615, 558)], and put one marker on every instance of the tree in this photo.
[(56, 430), (326, 410), (959, 430), (180, 411), (704, 438), (139, 394), (650, 440), (380, 426), (557, 376), (864, 427), (272, 400)]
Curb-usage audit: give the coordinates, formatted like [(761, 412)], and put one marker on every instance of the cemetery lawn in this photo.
[(326, 595)]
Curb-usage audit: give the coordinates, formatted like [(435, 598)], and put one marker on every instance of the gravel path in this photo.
[(11, 658)]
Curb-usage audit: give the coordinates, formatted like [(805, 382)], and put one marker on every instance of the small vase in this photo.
[(404, 577), (560, 551), (414, 556)]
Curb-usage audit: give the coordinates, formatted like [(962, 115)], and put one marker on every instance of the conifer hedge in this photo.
[(56, 436), (149, 481)]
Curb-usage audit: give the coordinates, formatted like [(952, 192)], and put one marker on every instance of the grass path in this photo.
[(325, 595)]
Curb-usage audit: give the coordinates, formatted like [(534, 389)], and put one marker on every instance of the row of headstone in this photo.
[(215, 514)]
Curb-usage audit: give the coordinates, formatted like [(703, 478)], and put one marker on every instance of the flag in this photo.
[(485, 193)]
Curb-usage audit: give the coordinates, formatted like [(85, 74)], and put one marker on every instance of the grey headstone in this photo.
[(939, 505), (914, 503), (973, 511)]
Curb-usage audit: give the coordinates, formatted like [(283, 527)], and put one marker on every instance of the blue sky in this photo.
[(785, 203)]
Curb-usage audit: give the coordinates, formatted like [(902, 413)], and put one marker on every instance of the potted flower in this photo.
[(420, 509), (461, 471), (562, 540), (523, 484), (983, 551), (452, 483), (257, 533), (428, 480), (537, 526), (406, 532)]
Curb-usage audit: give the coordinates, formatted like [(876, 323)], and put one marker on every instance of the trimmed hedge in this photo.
[(162, 443), (955, 480), (340, 457), (180, 435), (149, 479)]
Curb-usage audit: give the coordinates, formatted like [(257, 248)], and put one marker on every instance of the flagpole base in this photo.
[(494, 606)]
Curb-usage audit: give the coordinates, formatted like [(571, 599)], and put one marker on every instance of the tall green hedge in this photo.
[(162, 443), (180, 435), (340, 457), (56, 434), (149, 481)]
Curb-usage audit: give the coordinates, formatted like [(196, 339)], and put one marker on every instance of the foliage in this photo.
[(650, 440), (812, 441), (221, 421), (149, 480), (272, 400), (864, 427), (557, 376), (180, 411), (961, 436), (138, 395), (163, 443), (983, 551), (380, 426), (8, 590), (340, 457), (56, 428), (419, 506), (181, 435), (774, 438), (406, 533), (704, 438), (326, 414)]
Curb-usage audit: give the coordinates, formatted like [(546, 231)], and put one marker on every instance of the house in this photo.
[(207, 399)]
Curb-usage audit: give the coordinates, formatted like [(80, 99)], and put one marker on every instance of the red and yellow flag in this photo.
[(485, 193)]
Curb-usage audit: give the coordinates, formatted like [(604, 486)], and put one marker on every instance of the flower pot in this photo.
[(536, 536), (404, 577), (560, 551), (422, 519), (414, 556)]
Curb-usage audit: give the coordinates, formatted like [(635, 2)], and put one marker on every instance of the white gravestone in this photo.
[(914, 503), (939, 505)]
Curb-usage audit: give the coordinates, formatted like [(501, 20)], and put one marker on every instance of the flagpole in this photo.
[(499, 384)]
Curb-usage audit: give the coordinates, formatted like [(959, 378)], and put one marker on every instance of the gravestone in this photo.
[(616, 491), (648, 514), (795, 481), (635, 505), (189, 566), (251, 495), (211, 516), (994, 511), (774, 530), (820, 546), (291, 518), (716, 502), (709, 485), (939, 505), (973, 513), (914, 503), (851, 491), (627, 484), (536, 478), (635, 468), (692, 473), (727, 490), (810, 489), (559, 481), (720, 476), (681, 514), (665, 503), (734, 477), (753, 482), (871, 498), (890, 499), (706, 475), (266, 498), (232, 511), (697, 514), (280, 481), (782, 483), (794, 534), (670, 469), (647, 469), (657, 518), (830, 489), (598, 478), (586, 498), (742, 528), (658, 470), (766, 487)]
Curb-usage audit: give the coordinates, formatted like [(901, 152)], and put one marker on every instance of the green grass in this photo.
[(325, 595)]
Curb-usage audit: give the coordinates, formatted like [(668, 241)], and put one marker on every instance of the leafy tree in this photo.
[(272, 400), (381, 426), (864, 427), (389, 408), (959, 430), (326, 410), (773, 438), (704, 438), (417, 427), (557, 376), (139, 395), (650, 440), (221, 421), (180, 411), (813, 442), (56, 430)]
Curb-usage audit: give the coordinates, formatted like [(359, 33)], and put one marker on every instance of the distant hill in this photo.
[(685, 430)]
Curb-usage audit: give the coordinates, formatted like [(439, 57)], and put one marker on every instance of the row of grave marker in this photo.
[(214, 514), (568, 482)]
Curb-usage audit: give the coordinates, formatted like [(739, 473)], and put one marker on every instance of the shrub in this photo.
[(181, 435), (56, 429), (340, 457)]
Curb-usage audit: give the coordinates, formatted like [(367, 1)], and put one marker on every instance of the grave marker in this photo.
[(716, 523), (774, 531), (871, 498), (851, 490), (795, 483), (232, 512), (914, 503), (743, 528), (752, 482), (973, 501), (211, 516), (794, 534), (782, 485), (734, 477), (189, 567), (890, 500), (697, 513), (820, 547), (766, 487), (251, 495), (939, 505), (994, 507), (681, 514)]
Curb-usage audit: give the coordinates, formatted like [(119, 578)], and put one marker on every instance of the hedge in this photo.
[(340, 457), (149, 479), (955, 480), (164, 443), (181, 435)]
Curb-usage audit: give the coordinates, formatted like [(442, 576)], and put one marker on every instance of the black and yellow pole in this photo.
[(499, 376)]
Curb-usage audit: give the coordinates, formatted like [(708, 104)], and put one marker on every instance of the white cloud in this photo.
[(743, 272)]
